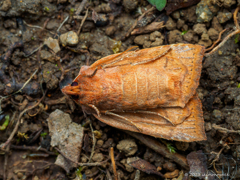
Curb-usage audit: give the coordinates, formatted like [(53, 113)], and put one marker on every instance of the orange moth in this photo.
[(150, 91)]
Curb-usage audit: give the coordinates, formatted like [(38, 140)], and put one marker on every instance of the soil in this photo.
[(41, 51)]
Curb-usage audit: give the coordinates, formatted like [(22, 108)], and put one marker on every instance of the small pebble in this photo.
[(213, 34), (205, 37), (52, 44), (20, 175), (224, 17), (19, 98), (208, 126), (182, 146), (128, 146), (199, 28), (130, 5), (98, 157), (176, 15), (169, 166), (100, 143), (70, 38), (108, 143), (170, 24)]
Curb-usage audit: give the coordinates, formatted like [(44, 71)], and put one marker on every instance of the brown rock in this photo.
[(205, 43), (130, 5), (170, 24), (199, 28), (180, 23), (108, 143), (110, 30), (224, 17), (205, 37), (176, 15), (213, 34), (154, 35), (100, 143), (157, 38), (188, 36), (6, 5), (157, 42), (147, 44), (128, 146), (208, 126), (228, 3), (128, 167), (175, 36), (216, 25), (98, 157), (141, 39), (182, 146), (189, 14)]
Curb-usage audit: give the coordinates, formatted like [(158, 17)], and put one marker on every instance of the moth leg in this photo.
[(95, 108), (153, 59), (155, 113), (132, 123)]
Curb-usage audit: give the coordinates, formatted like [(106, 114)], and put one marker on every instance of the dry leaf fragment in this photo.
[(143, 165)]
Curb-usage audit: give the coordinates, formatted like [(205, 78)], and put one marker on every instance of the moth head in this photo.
[(72, 90)]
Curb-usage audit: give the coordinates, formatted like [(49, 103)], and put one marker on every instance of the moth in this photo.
[(150, 91)]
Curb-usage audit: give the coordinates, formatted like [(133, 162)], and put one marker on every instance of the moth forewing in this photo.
[(190, 129)]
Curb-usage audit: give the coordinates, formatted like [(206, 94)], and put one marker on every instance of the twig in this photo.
[(34, 26), (5, 163), (94, 143), (26, 82), (81, 6), (62, 70), (217, 41), (80, 27), (62, 24), (229, 35), (18, 121), (44, 26), (109, 177), (217, 156), (82, 164), (32, 148), (38, 56), (35, 50), (1, 99), (135, 23), (217, 127), (137, 175), (160, 148), (113, 164)]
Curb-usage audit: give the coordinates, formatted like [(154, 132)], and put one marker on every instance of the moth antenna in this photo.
[(95, 108), (132, 123), (153, 59), (93, 73), (120, 59), (155, 113)]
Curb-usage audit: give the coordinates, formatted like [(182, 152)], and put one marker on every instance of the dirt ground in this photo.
[(44, 43)]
